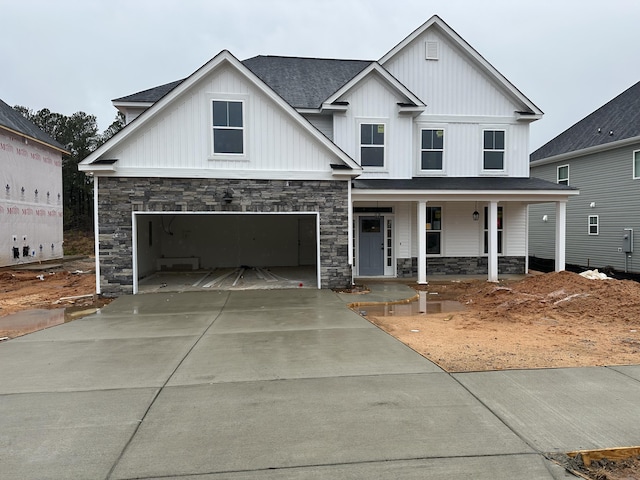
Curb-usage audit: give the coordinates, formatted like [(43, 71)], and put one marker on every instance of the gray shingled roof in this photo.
[(301, 82), (304, 82), (460, 183), (621, 116), (13, 120), (150, 95)]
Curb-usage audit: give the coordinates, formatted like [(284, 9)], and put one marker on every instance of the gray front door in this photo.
[(371, 246)]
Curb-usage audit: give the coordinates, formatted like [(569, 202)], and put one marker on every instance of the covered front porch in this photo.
[(403, 231)]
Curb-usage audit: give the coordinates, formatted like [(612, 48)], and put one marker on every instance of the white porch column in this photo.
[(492, 224), (422, 241), (561, 232)]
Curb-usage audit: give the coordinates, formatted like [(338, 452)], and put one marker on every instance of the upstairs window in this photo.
[(493, 150), (636, 164), (431, 149), (372, 144), (563, 175), (228, 128)]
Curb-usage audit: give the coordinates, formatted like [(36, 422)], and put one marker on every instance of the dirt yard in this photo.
[(548, 320), (70, 285)]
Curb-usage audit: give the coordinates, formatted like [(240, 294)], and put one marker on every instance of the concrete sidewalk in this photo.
[(283, 384)]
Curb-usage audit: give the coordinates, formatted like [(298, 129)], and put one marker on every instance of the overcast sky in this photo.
[(568, 56)]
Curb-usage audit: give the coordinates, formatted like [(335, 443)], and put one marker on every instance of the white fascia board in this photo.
[(531, 196), (224, 57), (413, 111), (118, 105), (224, 174), (393, 82), (469, 51), (97, 168), (327, 107), (585, 151), (302, 111), (124, 107), (528, 117)]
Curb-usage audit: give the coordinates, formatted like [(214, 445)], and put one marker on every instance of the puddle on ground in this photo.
[(29, 321), (426, 304)]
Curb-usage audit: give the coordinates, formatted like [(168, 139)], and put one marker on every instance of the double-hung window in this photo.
[(636, 164), (431, 149), (372, 144), (594, 225), (434, 230), (228, 127), (486, 229), (563, 174), (493, 150)]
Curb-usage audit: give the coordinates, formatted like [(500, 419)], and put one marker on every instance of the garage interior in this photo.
[(181, 251)]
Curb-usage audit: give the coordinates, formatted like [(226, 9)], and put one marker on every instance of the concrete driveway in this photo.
[(284, 384)]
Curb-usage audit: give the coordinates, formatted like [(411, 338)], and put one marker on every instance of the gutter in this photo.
[(585, 151)]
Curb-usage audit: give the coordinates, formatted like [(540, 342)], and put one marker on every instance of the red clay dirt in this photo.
[(549, 320)]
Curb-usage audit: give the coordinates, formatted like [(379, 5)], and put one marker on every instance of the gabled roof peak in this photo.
[(471, 54)]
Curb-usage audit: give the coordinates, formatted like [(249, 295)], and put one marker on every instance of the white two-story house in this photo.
[(411, 165)]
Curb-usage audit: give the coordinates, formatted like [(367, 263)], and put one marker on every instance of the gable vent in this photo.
[(431, 49)]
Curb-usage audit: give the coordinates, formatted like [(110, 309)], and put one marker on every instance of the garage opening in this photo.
[(179, 251)]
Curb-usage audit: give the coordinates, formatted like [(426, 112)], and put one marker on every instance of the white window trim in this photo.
[(419, 170), (373, 121), (597, 224), (636, 174), (558, 180), (491, 171), (226, 97)]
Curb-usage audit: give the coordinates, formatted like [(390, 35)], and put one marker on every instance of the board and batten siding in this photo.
[(463, 147), (372, 101), (451, 85), (180, 138), (605, 180)]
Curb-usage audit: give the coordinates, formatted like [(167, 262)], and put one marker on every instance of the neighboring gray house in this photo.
[(600, 155), (30, 191), (412, 164)]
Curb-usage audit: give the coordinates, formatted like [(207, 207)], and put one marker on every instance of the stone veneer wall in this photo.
[(408, 267), (118, 197)]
